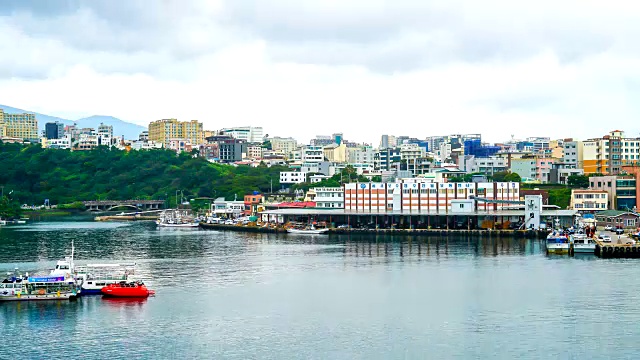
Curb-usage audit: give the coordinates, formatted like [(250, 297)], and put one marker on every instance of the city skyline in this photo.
[(357, 67)]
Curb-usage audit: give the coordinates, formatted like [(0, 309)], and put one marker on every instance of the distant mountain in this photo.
[(120, 127)]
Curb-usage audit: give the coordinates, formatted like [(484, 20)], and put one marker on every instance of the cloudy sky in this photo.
[(566, 68)]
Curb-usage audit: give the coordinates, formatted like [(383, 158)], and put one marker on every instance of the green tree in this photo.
[(578, 181), (9, 209)]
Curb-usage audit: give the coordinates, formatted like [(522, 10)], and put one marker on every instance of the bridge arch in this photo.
[(128, 206)]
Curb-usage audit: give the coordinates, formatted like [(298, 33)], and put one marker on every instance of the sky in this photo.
[(420, 68)]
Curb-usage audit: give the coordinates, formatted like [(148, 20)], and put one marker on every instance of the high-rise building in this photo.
[(338, 138), (249, 134), (165, 129), (54, 130), (608, 154), (3, 128), (105, 130), (23, 126), (283, 145)]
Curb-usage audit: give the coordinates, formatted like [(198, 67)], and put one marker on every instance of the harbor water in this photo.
[(229, 295)]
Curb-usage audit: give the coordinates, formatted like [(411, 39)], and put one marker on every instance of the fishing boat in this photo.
[(125, 289), (31, 288), (312, 230), (176, 219), (583, 239), (557, 241)]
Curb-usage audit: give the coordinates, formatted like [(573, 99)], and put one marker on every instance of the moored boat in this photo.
[(30, 288), (583, 239), (311, 230), (93, 277), (124, 289), (176, 219), (557, 241)]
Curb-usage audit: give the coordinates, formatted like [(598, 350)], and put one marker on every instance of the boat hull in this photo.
[(558, 248), (308, 232), (584, 249), (33, 297), (164, 225), (126, 292)]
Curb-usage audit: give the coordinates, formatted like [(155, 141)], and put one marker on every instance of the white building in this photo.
[(105, 130), (412, 151), (589, 200), (311, 154), (317, 178), (485, 165), (283, 145), (254, 152), (419, 195), (292, 177), (249, 134), (572, 154), (360, 155), (329, 198), (145, 145), (61, 143)]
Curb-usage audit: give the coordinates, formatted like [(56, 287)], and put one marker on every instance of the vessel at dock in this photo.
[(557, 240), (583, 239), (93, 277), (31, 288), (124, 289), (176, 219), (310, 230)]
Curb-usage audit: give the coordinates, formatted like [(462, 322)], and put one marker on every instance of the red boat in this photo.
[(127, 290)]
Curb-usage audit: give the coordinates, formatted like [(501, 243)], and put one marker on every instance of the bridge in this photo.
[(108, 205)]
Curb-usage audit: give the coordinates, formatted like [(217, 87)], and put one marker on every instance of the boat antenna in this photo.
[(72, 253)]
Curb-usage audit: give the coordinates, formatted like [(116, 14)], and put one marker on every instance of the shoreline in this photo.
[(528, 234)]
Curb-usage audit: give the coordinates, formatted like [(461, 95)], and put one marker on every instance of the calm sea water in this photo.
[(256, 296)]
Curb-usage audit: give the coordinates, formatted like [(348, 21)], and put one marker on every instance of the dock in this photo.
[(522, 234), (629, 249)]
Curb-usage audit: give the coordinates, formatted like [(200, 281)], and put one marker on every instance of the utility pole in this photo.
[(271, 180)]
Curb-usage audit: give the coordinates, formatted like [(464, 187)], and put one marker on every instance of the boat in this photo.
[(583, 239), (557, 241), (19, 221), (308, 230), (93, 277), (125, 289), (32, 288), (176, 219)]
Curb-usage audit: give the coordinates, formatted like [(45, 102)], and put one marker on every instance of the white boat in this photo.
[(91, 278), (176, 219), (583, 244), (557, 241), (30, 288), (308, 230), (583, 239), (20, 221)]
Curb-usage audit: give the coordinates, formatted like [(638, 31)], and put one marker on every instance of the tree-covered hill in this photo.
[(35, 174)]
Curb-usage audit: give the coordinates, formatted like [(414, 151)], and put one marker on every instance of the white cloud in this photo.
[(365, 68)]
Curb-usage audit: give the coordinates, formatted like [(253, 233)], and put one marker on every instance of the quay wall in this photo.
[(530, 234)]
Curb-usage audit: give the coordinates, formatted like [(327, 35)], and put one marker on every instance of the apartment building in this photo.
[(360, 155), (336, 153), (23, 126), (311, 154), (329, 197), (572, 154), (420, 195), (283, 145), (249, 134), (589, 200), (163, 130), (607, 155), (292, 177), (254, 152)]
